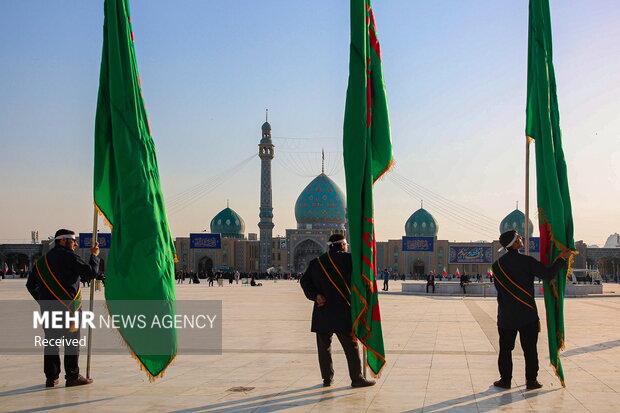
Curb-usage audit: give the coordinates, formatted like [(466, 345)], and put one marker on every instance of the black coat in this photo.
[(335, 315), (511, 314), (68, 267)]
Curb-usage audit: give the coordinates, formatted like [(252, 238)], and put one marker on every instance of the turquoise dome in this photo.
[(515, 220), (228, 223), (321, 205), (266, 127), (421, 224)]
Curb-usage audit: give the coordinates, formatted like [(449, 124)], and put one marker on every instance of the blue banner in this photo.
[(418, 243), (86, 240), (534, 245), (471, 255), (205, 241)]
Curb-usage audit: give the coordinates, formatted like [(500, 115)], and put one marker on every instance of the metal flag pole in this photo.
[(527, 195), (92, 297), (364, 361)]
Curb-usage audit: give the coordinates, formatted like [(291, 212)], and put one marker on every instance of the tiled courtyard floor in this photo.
[(441, 352)]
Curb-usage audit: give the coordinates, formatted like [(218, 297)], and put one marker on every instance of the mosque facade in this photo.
[(420, 252), (320, 211)]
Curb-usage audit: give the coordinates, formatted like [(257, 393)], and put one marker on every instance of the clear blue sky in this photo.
[(455, 73)]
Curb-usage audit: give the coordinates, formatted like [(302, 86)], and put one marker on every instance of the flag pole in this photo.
[(364, 362), (92, 297), (527, 196)]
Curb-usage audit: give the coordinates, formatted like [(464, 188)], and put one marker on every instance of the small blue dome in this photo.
[(321, 205), (266, 127), (228, 223), (421, 224), (515, 220)]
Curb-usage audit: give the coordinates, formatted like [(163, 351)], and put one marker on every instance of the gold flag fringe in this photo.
[(105, 218), (554, 290), (388, 169), (141, 365)]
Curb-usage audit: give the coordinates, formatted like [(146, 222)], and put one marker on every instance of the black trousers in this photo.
[(351, 351), (430, 284), (385, 284), (51, 355), (528, 335)]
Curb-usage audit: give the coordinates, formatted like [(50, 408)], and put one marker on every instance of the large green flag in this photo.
[(140, 268), (367, 155), (554, 207)]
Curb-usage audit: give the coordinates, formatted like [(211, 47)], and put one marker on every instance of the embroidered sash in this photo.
[(72, 303), (334, 275), (514, 289)]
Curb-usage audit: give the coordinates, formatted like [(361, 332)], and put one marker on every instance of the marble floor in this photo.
[(441, 355)]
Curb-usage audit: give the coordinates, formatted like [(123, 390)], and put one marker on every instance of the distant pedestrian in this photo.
[(430, 282)]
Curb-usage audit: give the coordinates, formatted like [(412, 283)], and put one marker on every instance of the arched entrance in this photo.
[(418, 267), (205, 265), (306, 251), (17, 264)]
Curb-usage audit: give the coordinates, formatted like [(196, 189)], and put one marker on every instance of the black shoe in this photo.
[(362, 383), (51, 382), (78, 381), (533, 385), (328, 382), (502, 384)]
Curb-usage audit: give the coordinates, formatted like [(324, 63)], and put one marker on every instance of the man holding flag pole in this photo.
[(367, 148), (554, 204)]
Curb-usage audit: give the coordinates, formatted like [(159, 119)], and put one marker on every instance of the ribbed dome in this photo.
[(266, 127), (515, 220), (228, 223), (321, 205), (421, 224)]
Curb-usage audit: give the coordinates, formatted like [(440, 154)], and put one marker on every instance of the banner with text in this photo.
[(418, 243), (86, 240), (200, 240), (471, 255)]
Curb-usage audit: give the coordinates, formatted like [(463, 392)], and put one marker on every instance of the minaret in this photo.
[(265, 152)]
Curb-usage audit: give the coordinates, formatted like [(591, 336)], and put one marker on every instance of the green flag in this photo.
[(554, 207), (127, 192), (367, 156)]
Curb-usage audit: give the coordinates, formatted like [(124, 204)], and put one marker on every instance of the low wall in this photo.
[(488, 289)]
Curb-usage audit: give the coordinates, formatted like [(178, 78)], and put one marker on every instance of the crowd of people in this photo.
[(231, 277)]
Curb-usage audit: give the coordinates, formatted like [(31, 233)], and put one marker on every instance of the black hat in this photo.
[(508, 238)]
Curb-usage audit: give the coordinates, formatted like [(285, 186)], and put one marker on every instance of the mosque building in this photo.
[(320, 210), (420, 251)]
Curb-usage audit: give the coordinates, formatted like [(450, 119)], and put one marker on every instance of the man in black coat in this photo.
[(55, 283), (514, 280), (327, 283)]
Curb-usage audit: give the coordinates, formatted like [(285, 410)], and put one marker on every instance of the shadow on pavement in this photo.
[(59, 406), (278, 403), (479, 401), (594, 347)]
